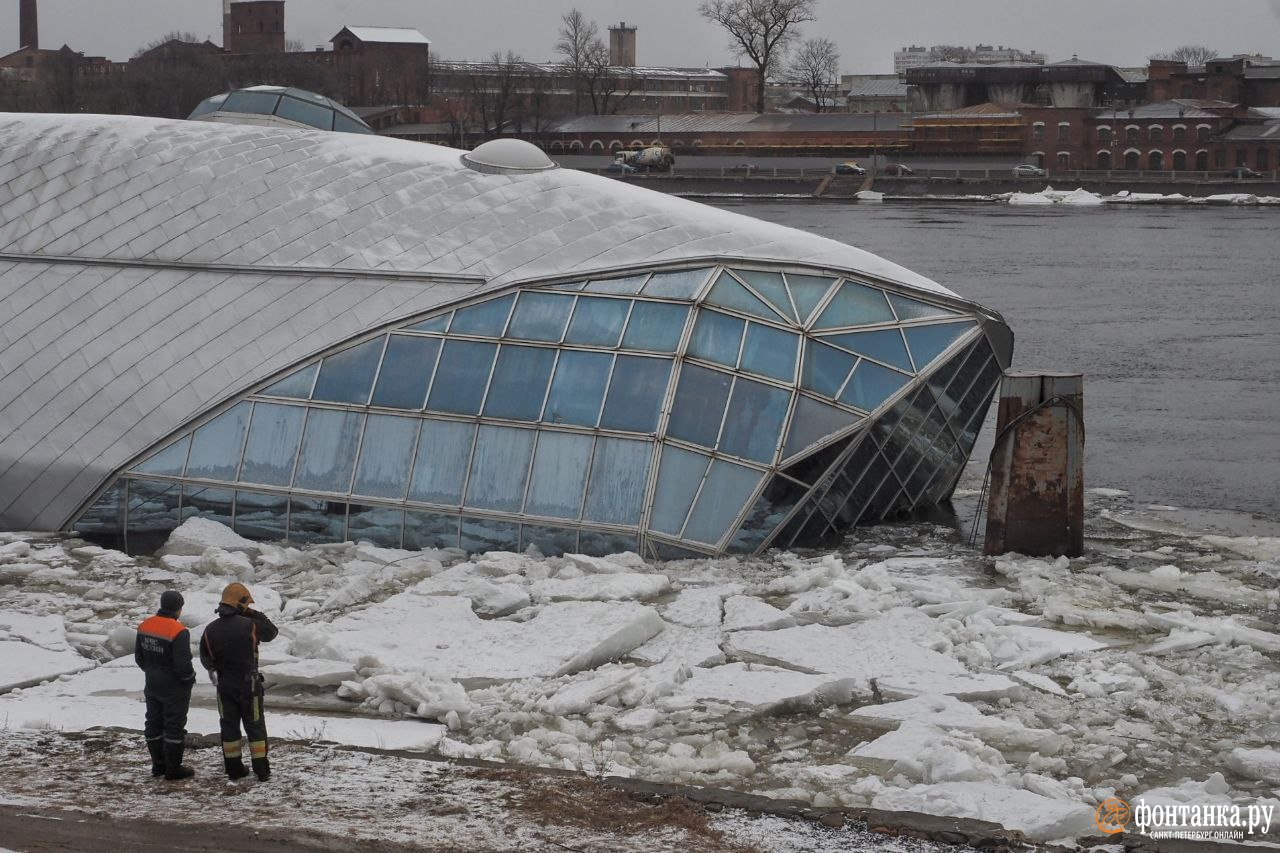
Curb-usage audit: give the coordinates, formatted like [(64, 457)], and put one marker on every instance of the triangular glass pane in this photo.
[(927, 342), (770, 286), (812, 422), (855, 305), (435, 324), (883, 345), (871, 385), (487, 318), (573, 285), (825, 369), (296, 385), (630, 285), (681, 284), (172, 460), (812, 467), (910, 309), (727, 291), (807, 291)]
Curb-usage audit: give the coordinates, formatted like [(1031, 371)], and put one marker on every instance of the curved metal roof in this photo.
[(152, 270)]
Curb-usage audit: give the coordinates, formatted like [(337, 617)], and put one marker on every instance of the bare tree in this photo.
[(493, 92), (580, 46), (951, 53), (759, 30), (1191, 54), (816, 69), (173, 35)]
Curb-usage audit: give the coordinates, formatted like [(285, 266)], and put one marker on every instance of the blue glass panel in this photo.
[(812, 422), (273, 444), (928, 342), (380, 525), (385, 455), (628, 286), (807, 291), (575, 285), (406, 372), (559, 474), (461, 377), (770, 352), (263, 103), (216, 446), (170, 461), (296, 385), (730, 293), (599, 543), (619, 472), (855, 305), (578, 388), (598, 321), (910, 309), (679, 476), (871, 385), (655, 326), (699, 405), (106, 517), (213, 504), (305, 113), (717, 337), (883, 345), (825, 369), (435, 324), (439, 469), (153, 513), (262, 517), (520, 382), (683, 284), (485, 534), (726, 491), (636, 392), (430, 530), (540, 316), (486, 318), (347, 376), (315, 520), (769, 510), (770, 286), (499, 468), (550, 541), (328, 451), (754, 423)]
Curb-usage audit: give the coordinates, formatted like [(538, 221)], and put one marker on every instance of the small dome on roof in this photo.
[(499, 156)]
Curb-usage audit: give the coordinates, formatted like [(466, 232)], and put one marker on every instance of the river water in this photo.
[(1172, 314)]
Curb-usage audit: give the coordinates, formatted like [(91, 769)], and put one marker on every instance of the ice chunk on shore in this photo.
[(195, 535), (447, 637), (925, 753), (1260, 764), (743, 612), (699, 607), (426, 696), (602, 587), (1039, 818), (1019, 646), (766, 689), (1029, 199), (22, 664), (316, 672), (487, 598), (693, 646), (950, 714)]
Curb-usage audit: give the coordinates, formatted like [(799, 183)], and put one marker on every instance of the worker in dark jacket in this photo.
[(163, 651), (229, 651)]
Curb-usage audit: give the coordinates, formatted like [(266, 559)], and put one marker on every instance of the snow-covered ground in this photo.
[(903, 671)]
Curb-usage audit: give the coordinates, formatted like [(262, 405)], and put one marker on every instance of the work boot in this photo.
[(156, 748), (174, 768), (262, 768), (235, 768)]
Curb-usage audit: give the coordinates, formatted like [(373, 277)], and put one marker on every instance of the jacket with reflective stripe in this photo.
[(163, 647)]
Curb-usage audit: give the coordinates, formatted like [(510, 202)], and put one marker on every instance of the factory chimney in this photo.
[(28, 30), (226, 24)]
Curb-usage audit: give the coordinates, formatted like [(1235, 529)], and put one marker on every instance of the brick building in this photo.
[(253, 26)]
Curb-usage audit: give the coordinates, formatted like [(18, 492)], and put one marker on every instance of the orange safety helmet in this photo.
[(236, 595)]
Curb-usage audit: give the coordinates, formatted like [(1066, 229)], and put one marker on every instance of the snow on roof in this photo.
[(388, 35)]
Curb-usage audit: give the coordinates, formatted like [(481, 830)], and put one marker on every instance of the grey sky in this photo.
[(672, 33)]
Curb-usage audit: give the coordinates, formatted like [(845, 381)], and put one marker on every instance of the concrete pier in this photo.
[(1036, 504)]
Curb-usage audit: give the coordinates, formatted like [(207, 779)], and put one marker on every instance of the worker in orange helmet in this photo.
[(162, 649), (229, 651)]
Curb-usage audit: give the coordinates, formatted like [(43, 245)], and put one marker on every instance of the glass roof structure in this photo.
[(280, 105), (342, 339)]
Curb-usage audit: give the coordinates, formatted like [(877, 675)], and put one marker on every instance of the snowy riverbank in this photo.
[(902, 672)]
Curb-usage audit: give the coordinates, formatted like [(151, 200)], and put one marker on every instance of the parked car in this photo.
[(618, 167), (897, 169), (746, 168), (1027, 170), (1243, 172), (850, 168)]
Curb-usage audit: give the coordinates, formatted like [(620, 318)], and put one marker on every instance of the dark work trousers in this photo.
[(240, 703), (167, 702)]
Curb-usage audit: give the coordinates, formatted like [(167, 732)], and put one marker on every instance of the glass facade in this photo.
[(692, 411)]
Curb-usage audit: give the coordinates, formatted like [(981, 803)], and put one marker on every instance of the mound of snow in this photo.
[(196, 535), (1081, 198)]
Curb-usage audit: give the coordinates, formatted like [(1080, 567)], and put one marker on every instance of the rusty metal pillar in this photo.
[(1036, 504)]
